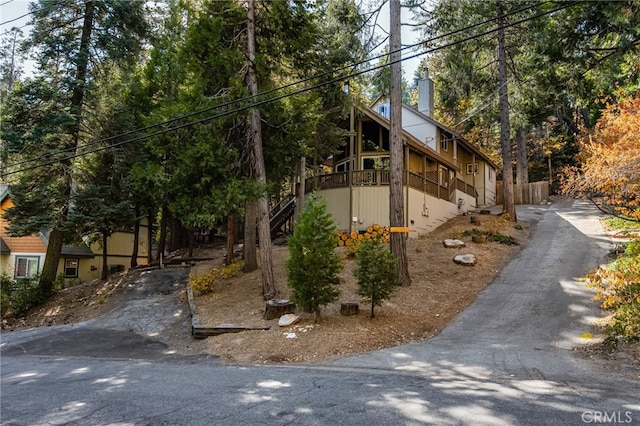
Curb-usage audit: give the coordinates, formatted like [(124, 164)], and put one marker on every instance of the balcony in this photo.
[(427, 182)]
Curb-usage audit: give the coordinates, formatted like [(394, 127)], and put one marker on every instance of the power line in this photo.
[(15, 19), (265, 101), (270, 91)]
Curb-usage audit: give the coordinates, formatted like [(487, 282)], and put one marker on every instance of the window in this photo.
[(377, 163), (342, 167), (384, 110), (491, 174), (444, 141), (27, 267), (471, 169), (71, 268)]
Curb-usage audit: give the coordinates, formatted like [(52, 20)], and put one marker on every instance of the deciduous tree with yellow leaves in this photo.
[(609, 174)]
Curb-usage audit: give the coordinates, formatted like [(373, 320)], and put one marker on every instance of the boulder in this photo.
[(453, 243), (465, 259), (288, 319)]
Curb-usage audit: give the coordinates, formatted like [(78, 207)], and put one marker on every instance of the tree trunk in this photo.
[(54, 248), (191, 241), (250, 259), (301, 190), (51, 260), (163, 233), (105, 269), (523, 162), (136, 239), (396, 200), (269, 289), (228, 260), (149, 238), (176, 235), (509, 207)]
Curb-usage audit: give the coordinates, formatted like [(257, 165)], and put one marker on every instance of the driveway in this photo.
[(526, 323), (151, 323)]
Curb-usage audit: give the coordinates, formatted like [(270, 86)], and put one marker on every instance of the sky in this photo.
[(12, 9)]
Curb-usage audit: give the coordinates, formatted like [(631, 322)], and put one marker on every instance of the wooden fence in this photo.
[(532, 193)]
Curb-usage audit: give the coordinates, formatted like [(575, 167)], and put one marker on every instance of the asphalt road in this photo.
[(507, 359)]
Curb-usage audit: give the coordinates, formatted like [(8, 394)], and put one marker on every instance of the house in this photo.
[(23, 257), (444, 175)]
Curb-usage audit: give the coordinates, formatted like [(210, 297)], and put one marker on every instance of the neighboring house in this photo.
[(23, 257), (444, 175)]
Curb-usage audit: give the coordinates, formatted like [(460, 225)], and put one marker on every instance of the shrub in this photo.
[(205, 283), (376, 272), (313, 265), (26, 296), (617, 286)]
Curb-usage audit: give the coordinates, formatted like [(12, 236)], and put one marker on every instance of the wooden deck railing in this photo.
[(427, 183)]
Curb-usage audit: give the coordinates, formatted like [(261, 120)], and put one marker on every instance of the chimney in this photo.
[(425, 94)]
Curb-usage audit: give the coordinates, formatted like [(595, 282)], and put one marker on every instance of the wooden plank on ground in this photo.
[(202, 332)]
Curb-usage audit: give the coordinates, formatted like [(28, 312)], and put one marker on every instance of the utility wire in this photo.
[(262, 102), (267, 92)]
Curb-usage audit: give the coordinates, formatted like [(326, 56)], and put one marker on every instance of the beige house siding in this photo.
[(120, 248), (426, 213)]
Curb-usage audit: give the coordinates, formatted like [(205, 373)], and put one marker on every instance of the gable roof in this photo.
[(408, 138), (436, 123), (455, 134), (4, 191), (80, 250), (4, 248)]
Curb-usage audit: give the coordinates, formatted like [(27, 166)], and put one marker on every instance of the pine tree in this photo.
[(314, 264), (376, 272)]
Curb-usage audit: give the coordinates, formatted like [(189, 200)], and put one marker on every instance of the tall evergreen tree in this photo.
[(67, 57)]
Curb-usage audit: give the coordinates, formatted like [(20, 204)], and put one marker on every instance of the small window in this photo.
[(491, 174), (445, 138), (71, 268), (471, 169), (27, 267), (384, 110)]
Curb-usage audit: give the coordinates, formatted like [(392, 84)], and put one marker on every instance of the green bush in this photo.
[(313, 265), (376, 272), (17, 297), (26, 296), (617, 286)]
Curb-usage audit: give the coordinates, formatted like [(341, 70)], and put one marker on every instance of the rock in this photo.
[(288, 319), (453, 243), (465, 259), (290, 335), (485, 211)]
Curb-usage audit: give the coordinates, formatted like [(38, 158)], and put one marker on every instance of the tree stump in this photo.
[(479, 239), (349, 308), (276, 308)]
